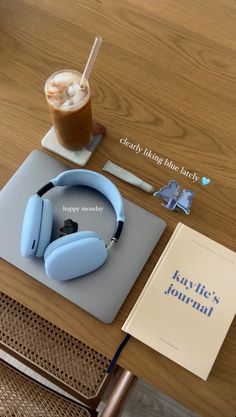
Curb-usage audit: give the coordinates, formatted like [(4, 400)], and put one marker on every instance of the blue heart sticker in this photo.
[(205, 181)]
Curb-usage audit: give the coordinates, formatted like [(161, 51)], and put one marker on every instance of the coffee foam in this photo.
[(64, 93)]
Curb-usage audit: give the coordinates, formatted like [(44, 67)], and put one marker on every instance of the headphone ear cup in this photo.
[(31, 226), (46, 228), (74, 255)]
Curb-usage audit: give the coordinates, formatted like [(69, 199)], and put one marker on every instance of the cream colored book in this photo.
[(188, 303)]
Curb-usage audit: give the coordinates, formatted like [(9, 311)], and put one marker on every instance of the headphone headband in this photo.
[(93, 180)]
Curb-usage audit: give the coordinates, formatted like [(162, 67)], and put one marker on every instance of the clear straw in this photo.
[(91, 59)]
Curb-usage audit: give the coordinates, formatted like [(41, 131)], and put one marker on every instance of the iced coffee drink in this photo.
[(70, 108)]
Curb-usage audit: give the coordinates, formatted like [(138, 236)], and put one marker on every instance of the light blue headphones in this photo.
[(75, 254)]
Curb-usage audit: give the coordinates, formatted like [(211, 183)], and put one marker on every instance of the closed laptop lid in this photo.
[(102, 292)]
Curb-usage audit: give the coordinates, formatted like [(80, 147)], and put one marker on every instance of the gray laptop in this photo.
[(102, 292)]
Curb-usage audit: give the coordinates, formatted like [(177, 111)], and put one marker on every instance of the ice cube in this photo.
[(64, 78)]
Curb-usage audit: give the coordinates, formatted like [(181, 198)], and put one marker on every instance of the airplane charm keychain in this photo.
[(175, 197)]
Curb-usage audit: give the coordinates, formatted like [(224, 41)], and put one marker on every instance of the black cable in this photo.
[(117, 354)]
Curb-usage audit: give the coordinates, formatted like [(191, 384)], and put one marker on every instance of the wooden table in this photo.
[(165, 79)]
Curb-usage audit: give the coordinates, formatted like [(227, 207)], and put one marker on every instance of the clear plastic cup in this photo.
[(70, 108)]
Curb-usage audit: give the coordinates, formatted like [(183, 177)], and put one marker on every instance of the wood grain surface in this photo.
[(165, 79)]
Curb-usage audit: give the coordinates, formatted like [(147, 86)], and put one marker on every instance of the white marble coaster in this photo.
[(80, 157)]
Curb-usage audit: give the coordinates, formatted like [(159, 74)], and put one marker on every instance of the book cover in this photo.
[(188, 303)]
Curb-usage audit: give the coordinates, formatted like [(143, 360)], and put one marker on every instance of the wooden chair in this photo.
[(21, 396), (67, 362), (59, 357)]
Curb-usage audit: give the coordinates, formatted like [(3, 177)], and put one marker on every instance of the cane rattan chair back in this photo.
[(20, 396), (45, 348)]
